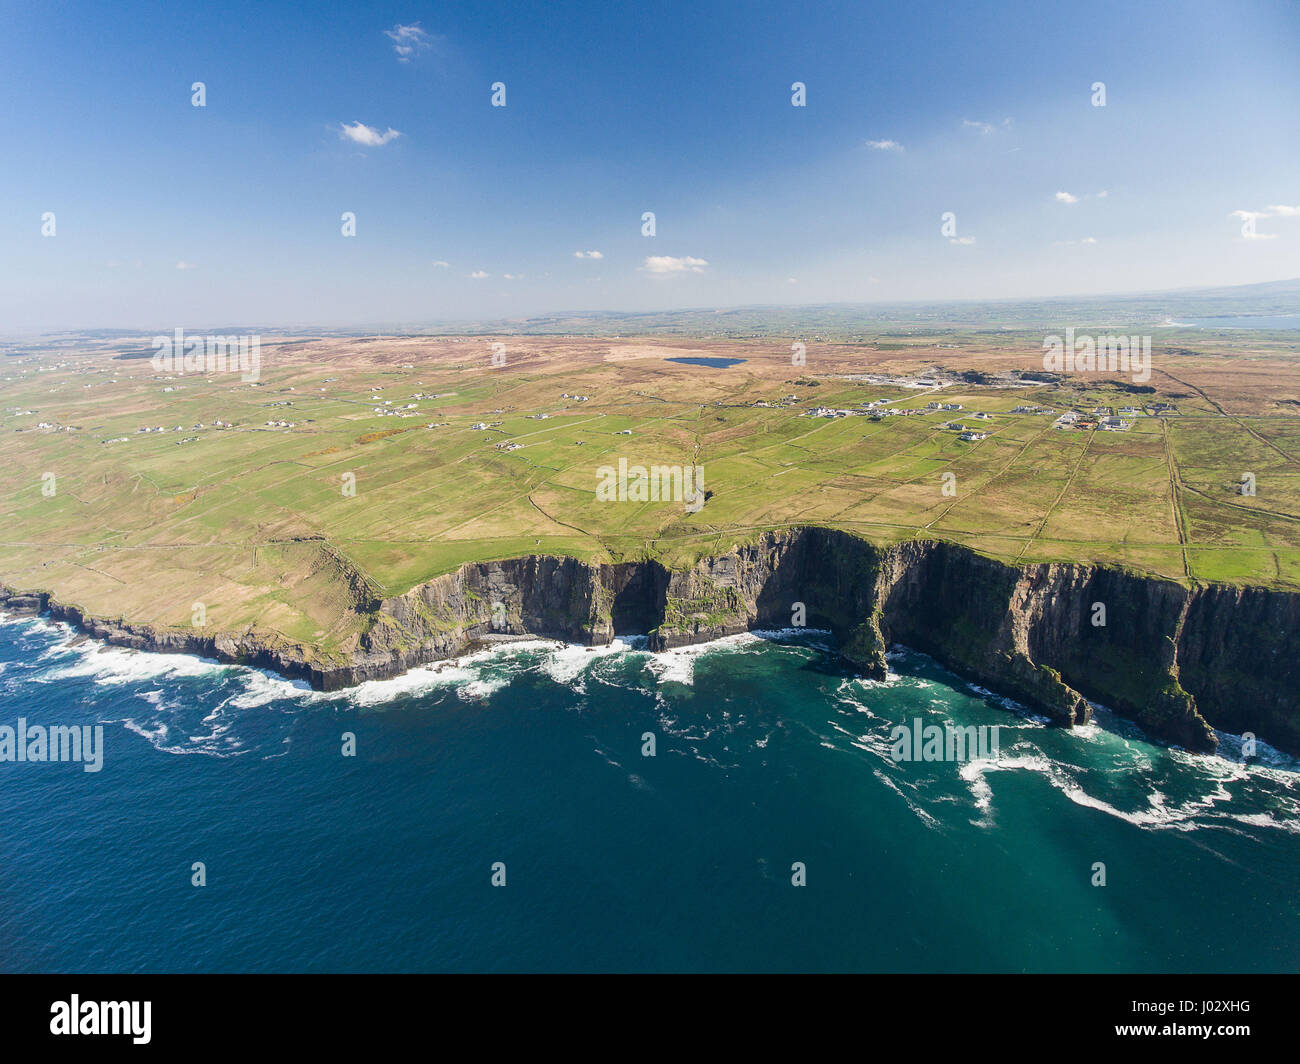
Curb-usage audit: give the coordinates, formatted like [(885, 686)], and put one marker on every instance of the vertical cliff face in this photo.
[(1238, 657), (1055, 637), (1051, 636), (537, 595)]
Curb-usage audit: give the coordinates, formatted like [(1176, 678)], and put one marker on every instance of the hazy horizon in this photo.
[(1195, 291)]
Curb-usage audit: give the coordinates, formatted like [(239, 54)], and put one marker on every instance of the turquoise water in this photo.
[(768, 753)]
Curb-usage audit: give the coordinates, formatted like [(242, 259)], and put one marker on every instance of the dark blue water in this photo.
[(715, 363), (767, 754)]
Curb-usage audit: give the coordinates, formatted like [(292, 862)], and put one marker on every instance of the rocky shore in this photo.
[(1179, 661)]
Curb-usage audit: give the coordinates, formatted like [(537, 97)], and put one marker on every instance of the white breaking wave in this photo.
[(1220, 780), (568, 661), (678, 664), (119, 665)]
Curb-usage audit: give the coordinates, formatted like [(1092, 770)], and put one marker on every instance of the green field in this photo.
[(254, 522)]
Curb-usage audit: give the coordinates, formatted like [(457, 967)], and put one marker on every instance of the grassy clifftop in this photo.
[(371, 477)]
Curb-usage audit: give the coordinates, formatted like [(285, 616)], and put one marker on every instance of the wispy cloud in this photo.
[(984, 128), (1070, 198), (359, 133), (408, 41), (961, 240), (1275, 210), (588, 255), (1072, 243), (183, 265), (669, 264), (478, 275), (884, 145), (442, 265)]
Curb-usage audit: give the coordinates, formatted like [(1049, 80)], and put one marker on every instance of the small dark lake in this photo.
[(716, 363)]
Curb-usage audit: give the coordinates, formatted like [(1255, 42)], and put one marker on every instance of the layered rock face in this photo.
[(1054, 637)]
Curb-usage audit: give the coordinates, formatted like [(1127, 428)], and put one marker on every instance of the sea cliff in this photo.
[(1180, 661)]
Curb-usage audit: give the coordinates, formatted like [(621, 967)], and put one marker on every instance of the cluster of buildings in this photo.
[(388, 410), (218, 424), (878, 409), (781, 404), (1103, 417)]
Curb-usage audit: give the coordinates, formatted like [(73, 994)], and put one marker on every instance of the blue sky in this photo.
[(168, 214)]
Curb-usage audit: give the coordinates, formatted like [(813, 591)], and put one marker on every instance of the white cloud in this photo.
[(1072, 243), (1070, 197), (440, 264), (513, 276), (1249, 217), (984, 128), (183, 265), (1274, 210), (962, 240), (792, 280), (588, 255), (885, 145), (408, 41), (478, 275), (669, 264), (363, 134), (1088, 240)]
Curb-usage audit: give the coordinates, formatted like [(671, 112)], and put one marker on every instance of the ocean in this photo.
[(527, 763)]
